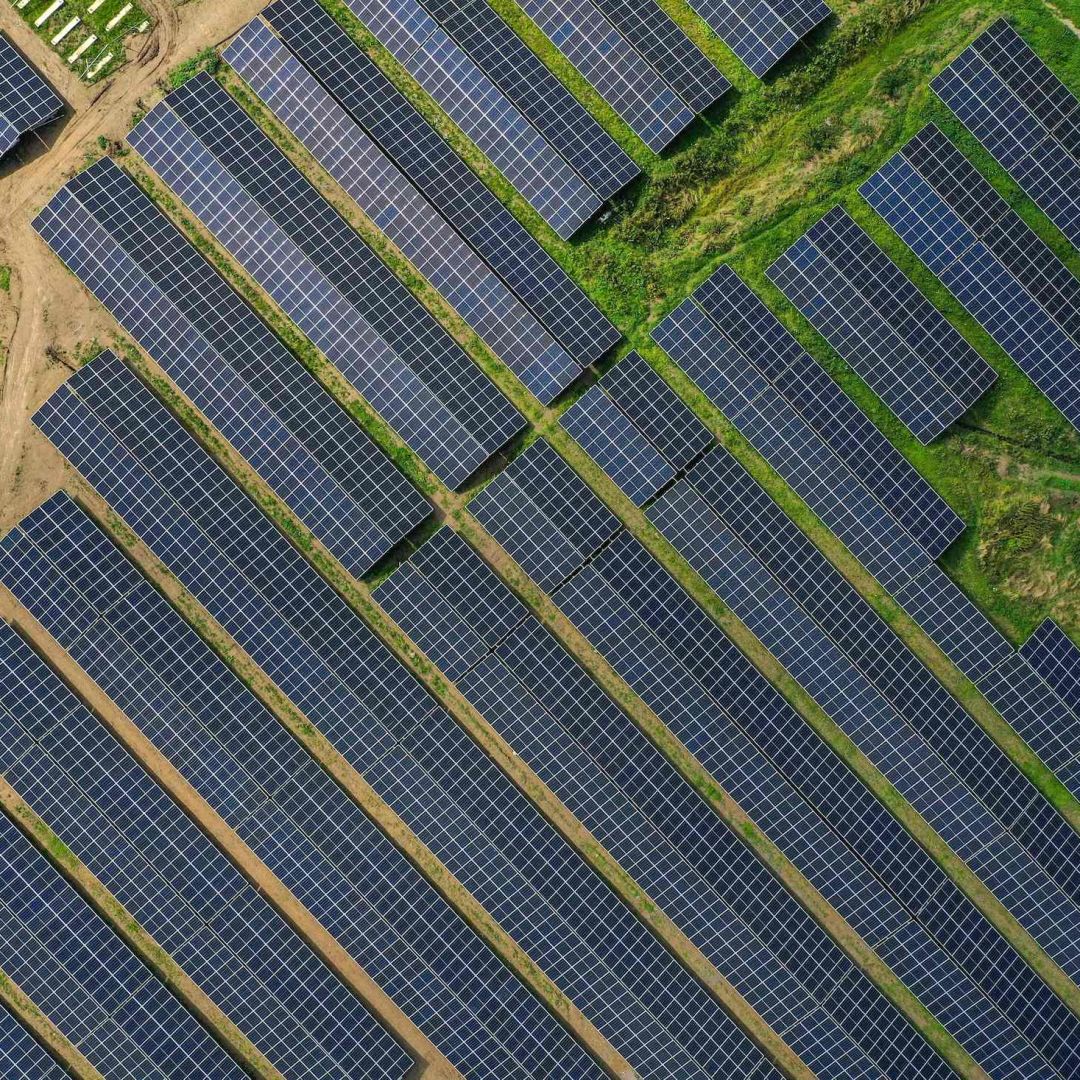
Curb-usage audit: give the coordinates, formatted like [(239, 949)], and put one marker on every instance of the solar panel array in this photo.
[(762, 33), (442, 177), (1056, 658), (791, 446), (807, 801), (217, 350), (170, 877), (618, 73), (436, 778), (871, 313), (85, 979), (387, 197), (753, 329), (985, 254), (292, 814), (26, 99), (1025, 117), (329, 318), (613, 442), (520, 74), (480, 109), (20, 1057)]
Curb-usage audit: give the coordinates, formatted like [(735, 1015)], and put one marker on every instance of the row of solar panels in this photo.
[(27, 101)]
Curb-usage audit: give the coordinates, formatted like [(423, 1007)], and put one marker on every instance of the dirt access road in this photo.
[(47, 308)]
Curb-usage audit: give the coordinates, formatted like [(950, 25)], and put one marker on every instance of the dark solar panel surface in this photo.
[(26, 100), (292, 814), (477, 106), (1056, 658), (181, 888), (989, 259), (391, 203), (530, 85), (21, 1058), (611, 65), (243, 341), (439, 174), (322, 312)]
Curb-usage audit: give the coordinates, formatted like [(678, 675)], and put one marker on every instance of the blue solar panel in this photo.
[(388, 199), (1056, 658), (442, 177), (656, 410), (761, 32), (477, 106), (296, 818), (182, 890), (321, 311), (27, 101), (618, 73), (613, 442), (998, 87), (20, 1057), (986, 256), (87, 981), (520, 74)]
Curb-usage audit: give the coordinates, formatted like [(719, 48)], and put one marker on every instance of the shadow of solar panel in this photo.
[(1015, 113), (761, 33), (1056, 658), (617, 72), (477, 106), (401, 213), (321, 312), (182, 890), (240, 338), (616, 445), (87, 981), (519, 73), (656, 410), (27, 101), (338, 252), (316, 839), (437, 171)]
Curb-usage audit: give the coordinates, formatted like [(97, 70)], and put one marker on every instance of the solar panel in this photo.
[(1012, 112), (823, 274), (20, 1057), (442, 177), (181, 888), (254, 430), (477, 106), (321, 311), (616, 445), (788, 443), (1056, 658), (27, 101), (389, 200), (656, 410), (520, 74), (595, 950), (933, 198), (761, 33), (608, 62), (76, 969), (292, 814)]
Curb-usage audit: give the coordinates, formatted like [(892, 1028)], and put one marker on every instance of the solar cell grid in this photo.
[(21, 1058), (26, 99), (241, 339), (616, 445), (1013, 133), (326, 317), (1056, 658), (482, 112), (442, 177), (520, 74), (391, 203), (354, 880), (619, 74), (338, 252), (256, 433), (656, 410)]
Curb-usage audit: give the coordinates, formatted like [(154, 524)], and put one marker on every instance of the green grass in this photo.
[(114, 41), (5, 279)]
